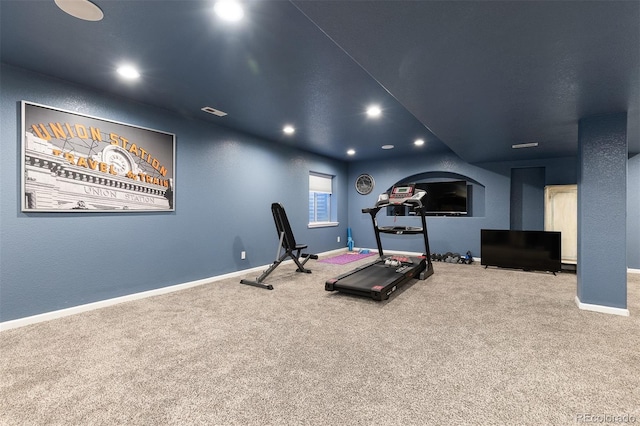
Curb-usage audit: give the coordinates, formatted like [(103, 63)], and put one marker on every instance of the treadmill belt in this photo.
[(380, 278), (365, 279)]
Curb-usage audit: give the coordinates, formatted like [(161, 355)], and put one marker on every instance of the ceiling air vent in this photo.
[(525, 145), (214, 111)]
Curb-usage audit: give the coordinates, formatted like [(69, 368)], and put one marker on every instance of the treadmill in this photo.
[(388, 273)]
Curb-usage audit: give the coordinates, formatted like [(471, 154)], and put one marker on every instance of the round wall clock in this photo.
[(364, 184)]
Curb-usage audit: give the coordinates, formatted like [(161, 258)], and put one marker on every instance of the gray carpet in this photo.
[(466, 346)]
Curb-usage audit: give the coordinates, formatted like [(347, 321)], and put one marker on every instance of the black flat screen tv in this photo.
[(445, 198), (528, 250)]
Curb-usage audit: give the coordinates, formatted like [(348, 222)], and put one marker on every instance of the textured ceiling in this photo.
[(484, 75), (480, 75)]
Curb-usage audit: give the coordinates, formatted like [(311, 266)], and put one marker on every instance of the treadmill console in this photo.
[(401, 194)]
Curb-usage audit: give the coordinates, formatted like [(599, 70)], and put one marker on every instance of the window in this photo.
[(320, 206)]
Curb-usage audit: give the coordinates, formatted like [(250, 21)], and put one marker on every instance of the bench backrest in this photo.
[(282, 225)]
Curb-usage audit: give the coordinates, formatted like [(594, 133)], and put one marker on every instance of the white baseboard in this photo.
[(602, 309), (633, 271), (47, 316), (333, 252)]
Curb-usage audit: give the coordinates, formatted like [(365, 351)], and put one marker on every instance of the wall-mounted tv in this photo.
[(445, 198)]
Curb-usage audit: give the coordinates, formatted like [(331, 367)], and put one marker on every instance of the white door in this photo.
[(561, 214)]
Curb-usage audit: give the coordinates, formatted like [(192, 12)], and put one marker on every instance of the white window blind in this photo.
[(319, 183), (321, 211)]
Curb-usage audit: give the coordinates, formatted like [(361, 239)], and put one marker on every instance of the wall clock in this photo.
[(364, 184)]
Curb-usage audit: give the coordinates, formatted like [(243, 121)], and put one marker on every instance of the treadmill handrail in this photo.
[(416, 203)]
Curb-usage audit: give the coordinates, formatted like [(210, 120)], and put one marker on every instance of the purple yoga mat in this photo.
[(345, 258)]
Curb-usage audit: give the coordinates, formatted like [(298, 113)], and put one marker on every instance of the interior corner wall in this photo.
[(225, 183), (527, 199)]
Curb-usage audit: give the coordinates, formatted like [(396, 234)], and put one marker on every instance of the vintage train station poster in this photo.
[(74, 162)]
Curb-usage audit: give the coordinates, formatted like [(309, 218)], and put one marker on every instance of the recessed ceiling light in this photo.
[(374, 111), (418, 142), (387, 147), (351, 152), (229, 10), (524, 145), (81, 9), (129, 72), (288, 129)]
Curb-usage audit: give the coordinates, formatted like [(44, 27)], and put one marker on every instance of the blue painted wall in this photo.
[(55, 261), (633, 212), (602, 210), (453, 234), (225, 184), (527, 199)]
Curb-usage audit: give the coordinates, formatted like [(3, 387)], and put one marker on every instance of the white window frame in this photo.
[(320, 183)]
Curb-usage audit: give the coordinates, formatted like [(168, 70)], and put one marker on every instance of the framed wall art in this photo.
[(75, 162)]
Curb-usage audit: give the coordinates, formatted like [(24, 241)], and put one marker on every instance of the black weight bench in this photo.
[(288, 243)]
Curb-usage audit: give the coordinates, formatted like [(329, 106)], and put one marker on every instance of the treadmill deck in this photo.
[(380, 278)]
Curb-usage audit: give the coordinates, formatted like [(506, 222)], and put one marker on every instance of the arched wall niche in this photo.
[(475, 189)]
